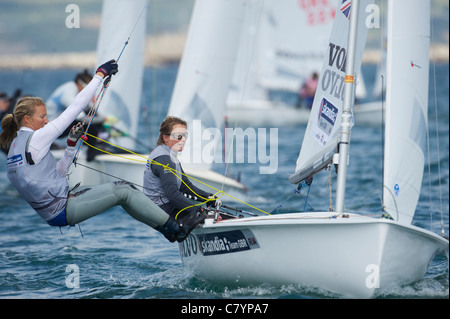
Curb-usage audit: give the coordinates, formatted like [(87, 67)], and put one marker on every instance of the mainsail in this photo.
[(120, 20), (321, 136), (406, 105), (205, 73)]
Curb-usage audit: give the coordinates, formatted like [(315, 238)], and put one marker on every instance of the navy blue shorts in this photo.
[(59, 220)]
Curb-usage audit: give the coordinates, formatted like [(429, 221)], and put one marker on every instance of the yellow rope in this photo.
[(174, 171)]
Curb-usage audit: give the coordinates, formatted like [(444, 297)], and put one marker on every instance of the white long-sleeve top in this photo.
[(43, 138)]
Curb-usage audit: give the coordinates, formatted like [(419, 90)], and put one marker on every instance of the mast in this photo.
[(344, 135)]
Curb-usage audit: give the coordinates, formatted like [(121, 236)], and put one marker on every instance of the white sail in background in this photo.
[(321, 135), (122, 18), (244, 83), (293, 39), (205, 73), (406, 105)]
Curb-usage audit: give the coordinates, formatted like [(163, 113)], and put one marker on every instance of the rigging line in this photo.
[(90, 117), (295, 191), (362, 201), (382, 138), (193, 205), (306, 198), (252, 53), (110, 175), (437, 138), (132, 30), (106, 82), (166, 167), (383, 56), (429, 175), (110, 129), (394, 201)]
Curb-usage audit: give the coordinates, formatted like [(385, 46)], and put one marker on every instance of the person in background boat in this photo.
[(167, 186), (7, 106), (7, 103), (308, 90), (42, 181), (63, 96)]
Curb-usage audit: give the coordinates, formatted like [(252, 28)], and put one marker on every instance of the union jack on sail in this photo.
[(346, 8)]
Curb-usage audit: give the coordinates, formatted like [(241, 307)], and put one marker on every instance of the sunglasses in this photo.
[(178, 136)]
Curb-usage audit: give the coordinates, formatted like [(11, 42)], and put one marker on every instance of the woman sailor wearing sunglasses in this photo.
[(164, 179)]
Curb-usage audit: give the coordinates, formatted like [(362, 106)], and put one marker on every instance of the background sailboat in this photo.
[(349, 254), (282, 46), (122, 100), (203, 79)]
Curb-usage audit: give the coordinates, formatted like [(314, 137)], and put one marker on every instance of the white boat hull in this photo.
[(352, 256), (108, 168), (369, 113), (263, 113)]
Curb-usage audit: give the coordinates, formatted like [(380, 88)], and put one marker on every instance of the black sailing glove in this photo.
[(108, 68)]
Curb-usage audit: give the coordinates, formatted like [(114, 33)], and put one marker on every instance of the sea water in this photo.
[(114, 256)]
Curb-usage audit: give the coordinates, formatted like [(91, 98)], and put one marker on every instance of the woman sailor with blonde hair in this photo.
[(42, 181)]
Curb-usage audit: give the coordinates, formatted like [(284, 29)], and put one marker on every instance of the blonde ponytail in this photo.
[(11, 122)]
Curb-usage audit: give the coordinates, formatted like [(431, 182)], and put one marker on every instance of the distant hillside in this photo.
[(33, 33), (38, 26)]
